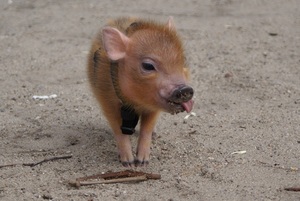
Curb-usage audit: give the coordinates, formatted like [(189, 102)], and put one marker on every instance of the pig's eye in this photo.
[(148, 66)]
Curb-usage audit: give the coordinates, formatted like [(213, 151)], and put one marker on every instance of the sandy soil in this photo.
[(245, 62)]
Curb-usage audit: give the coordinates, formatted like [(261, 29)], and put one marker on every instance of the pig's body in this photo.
[(139, 65)]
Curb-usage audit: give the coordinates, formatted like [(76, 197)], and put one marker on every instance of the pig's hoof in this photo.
[(139, 163), (126, 163)]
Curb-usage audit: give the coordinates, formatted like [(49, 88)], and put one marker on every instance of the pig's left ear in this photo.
[(170, 23), (115, 43)]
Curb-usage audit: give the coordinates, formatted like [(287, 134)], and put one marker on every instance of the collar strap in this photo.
[(114, 79), (129, 120), (129, 117)]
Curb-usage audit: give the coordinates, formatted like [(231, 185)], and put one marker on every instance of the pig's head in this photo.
[(152, 73)]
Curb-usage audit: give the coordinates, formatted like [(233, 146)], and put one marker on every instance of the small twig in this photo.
[(110, 181), (294, 169), (121, 174), (46, 160), (129, 173), (297, 189), (8, 165), (39, 162)]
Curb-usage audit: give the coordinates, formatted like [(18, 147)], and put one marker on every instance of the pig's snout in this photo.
[(182, 94), (181, 99)]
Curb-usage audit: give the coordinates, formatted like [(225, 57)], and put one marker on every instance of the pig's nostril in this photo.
[(178, 95), (187, 92)]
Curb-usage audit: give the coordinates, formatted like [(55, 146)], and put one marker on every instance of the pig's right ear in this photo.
[(115, 43)]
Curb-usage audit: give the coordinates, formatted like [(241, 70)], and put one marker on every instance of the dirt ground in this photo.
[(244, 58)]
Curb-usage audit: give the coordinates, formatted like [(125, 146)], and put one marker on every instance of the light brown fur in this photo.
[(144, 91)]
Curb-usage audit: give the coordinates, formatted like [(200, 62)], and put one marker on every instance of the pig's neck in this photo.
[(129, 117)]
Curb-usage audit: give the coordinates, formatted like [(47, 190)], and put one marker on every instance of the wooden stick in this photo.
[(297, 189), (280, 167), (129, 173), (110, 181), (46, 160), (37, 163), (114, 177), (9, 165), (121, 174)]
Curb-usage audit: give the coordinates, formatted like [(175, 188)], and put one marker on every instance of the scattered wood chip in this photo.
[(44, 97), (294, 168), (239, 152), (273, 34), (190, 114), (114, 177), (228, 75), (192, 132)]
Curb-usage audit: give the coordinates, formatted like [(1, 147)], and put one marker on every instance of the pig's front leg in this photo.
[(124, 148), (123, 141), (148, 121)]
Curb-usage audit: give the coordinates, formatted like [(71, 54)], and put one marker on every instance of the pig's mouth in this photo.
[(177, 107)]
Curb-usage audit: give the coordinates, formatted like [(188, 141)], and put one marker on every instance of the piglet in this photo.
[(137, 69)]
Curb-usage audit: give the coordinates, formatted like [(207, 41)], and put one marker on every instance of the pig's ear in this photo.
[(115, 43), (170, 23)]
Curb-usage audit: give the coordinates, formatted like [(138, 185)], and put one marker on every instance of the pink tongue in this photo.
[(188, 106)]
